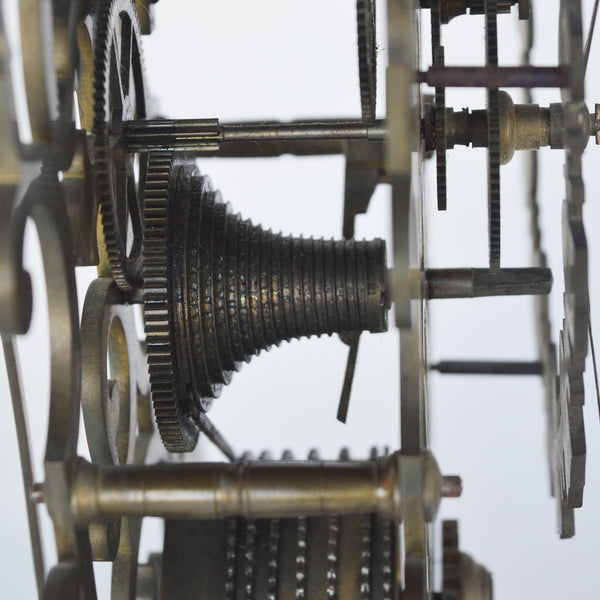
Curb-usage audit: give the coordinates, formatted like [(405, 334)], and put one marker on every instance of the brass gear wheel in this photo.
[(219, 290), (176, 413), (118, 96)]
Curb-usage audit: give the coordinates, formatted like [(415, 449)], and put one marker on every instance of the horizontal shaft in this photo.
[(488, 367), (494, 77), (209, 136), (253, 490), (477, 283)]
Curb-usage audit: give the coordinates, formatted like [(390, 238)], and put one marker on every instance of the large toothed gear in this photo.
[(174, 417), (219, 289), (118, 97)]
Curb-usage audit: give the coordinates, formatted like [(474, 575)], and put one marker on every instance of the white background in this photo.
[(284, 60)]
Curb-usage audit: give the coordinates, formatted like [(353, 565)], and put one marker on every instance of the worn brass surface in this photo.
[(256, 490), (108, 185), (522, 127)]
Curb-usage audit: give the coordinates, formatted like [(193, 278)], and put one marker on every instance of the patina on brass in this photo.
[(522, 127), (256, 490), (217, 290)]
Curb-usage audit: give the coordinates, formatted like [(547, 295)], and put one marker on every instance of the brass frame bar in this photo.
[(11, 359), (253, 490)]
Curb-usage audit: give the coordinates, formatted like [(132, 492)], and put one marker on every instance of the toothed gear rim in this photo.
[(440, 108), (493, 102), (367, 57), (175, 406), (118, 96)]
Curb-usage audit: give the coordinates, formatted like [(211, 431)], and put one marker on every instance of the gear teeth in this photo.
[(440, 147), (314, 455), (387, 564), (365, 556), (125, 270), (273, 559), (367, 58), (333, 540), (250, 560), (437, 51), (301, 558), (218, 290), (494, 223), (230, 554), (493, 100), (174, 427)]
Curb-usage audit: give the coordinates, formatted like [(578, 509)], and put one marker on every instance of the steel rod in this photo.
[(477, 283), (494, 77), (488, 367), (342, 413), (316, 147), (209, 136), (295, 131)]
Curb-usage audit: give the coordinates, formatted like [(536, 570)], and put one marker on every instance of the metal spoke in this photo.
[(352, 342), (11, 360)]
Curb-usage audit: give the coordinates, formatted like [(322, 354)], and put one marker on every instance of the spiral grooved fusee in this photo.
[(257, 289), (234, 289)]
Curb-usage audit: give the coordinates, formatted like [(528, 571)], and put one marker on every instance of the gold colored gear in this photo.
[(118, 97)]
